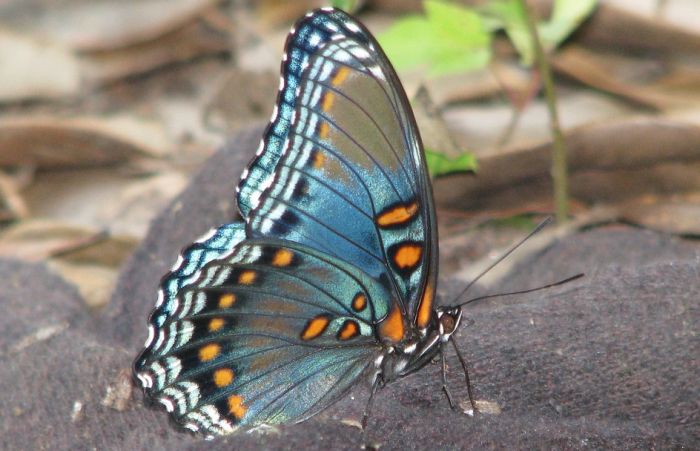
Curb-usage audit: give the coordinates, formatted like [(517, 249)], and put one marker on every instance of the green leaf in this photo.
[(509, 15), (440, 164), (567, 16), (448, 39)]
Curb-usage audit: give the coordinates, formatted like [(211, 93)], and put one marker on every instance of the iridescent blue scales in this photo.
[(332, 273), (266, 310)]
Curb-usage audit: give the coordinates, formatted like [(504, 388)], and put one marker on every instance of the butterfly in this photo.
[(330, 276)]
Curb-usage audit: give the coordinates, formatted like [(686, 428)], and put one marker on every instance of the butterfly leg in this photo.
[(375, 385), (444, 377), (466, 375)]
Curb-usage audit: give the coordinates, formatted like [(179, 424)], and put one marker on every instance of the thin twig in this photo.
[(559, 168)]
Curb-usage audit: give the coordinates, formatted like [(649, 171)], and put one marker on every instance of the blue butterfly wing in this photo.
[(210, 246), (268, 332), (351, 179), (307, 36), (271, 320)]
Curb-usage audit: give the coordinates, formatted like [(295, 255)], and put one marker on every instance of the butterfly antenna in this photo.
[(530, 290), (539, 227)]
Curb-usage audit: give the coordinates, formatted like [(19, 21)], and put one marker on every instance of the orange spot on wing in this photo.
[(408, 256), (340, 76), (236, 406), (318, 159), (223, 377), (209, 352), (349, 330), (247, 277), (324, 130), (283, 257), (216, 324), (327, 102), (392, 329), (359, 302), (425, 308), (315, 327), (397, 215), (227, 300)]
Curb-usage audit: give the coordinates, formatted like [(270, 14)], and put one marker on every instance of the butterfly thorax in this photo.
[(413, 354)]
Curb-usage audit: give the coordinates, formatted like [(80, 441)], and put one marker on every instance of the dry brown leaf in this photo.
[(276, 13), (243, 97), (100, 25), (34, 69), (94, 282), (398, 6), (590, 69), (679, 214), (607, 161), (616, 28), (482, 126), (12, 204), (131, 211), (189, 42), (37, 240), (104, 198), (434, 131), (478, 84), (683, 13), (50, 143)]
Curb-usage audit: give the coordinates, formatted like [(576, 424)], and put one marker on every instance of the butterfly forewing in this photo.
[(351, 180), (307, 36)]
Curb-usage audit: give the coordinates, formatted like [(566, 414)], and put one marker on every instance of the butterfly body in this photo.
[(412, 355), (330, 276)]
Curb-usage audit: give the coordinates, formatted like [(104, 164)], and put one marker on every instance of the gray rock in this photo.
[(609, 361)]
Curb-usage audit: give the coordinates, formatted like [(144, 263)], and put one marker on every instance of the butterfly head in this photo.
[(448, 321)]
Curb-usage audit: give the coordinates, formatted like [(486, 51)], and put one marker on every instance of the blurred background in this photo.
[(108, 107)]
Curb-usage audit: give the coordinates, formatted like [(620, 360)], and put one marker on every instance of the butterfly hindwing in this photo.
[(212, 245), (271, 332)]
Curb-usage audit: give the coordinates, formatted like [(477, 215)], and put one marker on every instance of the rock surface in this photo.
[(610, 360)]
